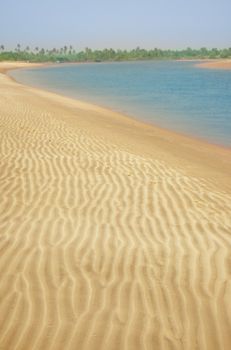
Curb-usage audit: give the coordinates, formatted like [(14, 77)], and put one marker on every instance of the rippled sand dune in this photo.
[(113, 234)]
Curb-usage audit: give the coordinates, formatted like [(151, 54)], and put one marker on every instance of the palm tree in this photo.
[(2, 47)]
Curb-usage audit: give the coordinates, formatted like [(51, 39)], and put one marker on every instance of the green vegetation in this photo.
[(68, 54)]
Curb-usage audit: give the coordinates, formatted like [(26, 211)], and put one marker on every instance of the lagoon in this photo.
[(170, 94)]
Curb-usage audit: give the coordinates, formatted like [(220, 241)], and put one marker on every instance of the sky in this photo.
[(125, 24)]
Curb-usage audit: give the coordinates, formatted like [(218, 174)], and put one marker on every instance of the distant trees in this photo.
[(68, 54), (17, 49)]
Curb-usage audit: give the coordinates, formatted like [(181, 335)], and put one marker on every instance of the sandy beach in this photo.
[(216, 64), (114, 234)]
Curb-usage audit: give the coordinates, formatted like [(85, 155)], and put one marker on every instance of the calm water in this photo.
[(175, 95)]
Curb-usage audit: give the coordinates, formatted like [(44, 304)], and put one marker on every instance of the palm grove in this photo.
[(69, 54)]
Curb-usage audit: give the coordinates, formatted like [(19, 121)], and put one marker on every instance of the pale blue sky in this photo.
[(116, 23)]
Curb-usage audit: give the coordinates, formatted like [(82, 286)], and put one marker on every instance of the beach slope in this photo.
[(113, 234)]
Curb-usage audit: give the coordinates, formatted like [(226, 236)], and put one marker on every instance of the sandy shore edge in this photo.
[(207, 159), (215, 64)]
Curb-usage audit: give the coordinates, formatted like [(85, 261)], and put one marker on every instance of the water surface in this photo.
[(171, 94)]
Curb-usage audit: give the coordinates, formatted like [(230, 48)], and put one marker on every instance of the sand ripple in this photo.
[(101, 248)]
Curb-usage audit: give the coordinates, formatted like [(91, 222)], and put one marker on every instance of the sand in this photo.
[(6, 66), (216, 64), (113, 234)]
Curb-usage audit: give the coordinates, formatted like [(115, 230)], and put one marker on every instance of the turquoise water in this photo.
[(175, 95)]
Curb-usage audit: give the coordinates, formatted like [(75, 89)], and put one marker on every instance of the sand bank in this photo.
[(8, 65), (216, 64), (113, 234)]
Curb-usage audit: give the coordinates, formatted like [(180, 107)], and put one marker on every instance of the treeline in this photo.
[(69, 54)]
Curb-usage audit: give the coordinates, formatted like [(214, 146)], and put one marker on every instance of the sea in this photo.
[(176, 95)]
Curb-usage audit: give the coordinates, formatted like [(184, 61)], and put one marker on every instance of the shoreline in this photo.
[(224, 64), (188, 147), (6, 66), (114, 234), (185, 134)]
